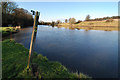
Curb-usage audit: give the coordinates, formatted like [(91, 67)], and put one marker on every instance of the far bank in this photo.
[(93, 25)]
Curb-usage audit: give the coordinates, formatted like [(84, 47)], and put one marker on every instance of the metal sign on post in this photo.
[(33, 37)]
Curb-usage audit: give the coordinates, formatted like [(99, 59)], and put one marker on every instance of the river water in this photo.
[(91, 52)]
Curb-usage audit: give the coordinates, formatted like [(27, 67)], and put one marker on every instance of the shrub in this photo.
[(79, 21), (91, 23), (109, 20)]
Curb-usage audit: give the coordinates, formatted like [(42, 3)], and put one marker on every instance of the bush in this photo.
[(78, 22), (91, 23), (109, 20)]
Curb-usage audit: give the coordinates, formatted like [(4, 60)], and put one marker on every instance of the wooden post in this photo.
[(33, 37)]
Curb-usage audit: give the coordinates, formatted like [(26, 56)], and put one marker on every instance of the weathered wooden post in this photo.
[(33, 37)]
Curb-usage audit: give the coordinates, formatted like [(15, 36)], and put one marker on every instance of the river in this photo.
[(91, 52)]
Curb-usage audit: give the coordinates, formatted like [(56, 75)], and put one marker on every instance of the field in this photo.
[(93, 25)]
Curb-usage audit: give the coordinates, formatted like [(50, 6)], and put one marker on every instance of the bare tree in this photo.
[(58, 22), (87, 18), (22, 17), (7, 9), (66, 20), (72, 20), (8, 6)]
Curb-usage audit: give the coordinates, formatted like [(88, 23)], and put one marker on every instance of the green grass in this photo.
[(14, 64), (98, 23), (7, 30)]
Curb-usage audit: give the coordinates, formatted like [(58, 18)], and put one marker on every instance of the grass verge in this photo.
[(7, 30), (14, 63)]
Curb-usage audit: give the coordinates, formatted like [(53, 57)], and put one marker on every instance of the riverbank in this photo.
[(8, 30), (93, 25), (14, 63)]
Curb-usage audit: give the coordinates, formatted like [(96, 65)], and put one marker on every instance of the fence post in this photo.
[(33, 37)]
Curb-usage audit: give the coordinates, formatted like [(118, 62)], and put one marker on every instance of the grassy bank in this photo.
[(14, 63), (7, 30), (93, 25)]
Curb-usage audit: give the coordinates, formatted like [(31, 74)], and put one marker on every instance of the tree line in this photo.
[(100, 19), (14, 16), (73, 20)]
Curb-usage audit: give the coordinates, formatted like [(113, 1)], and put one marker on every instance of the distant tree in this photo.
[(22, 17), (72, 20), (7, 9), (105, 18), (87, 18), (8, 6), (53, 23), (58, 22), (41, 22), (69, 20), (66, 20), (13, 15)]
